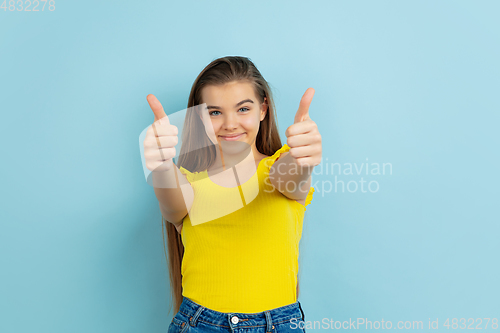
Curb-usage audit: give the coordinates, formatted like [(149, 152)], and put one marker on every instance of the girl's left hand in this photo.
[(303, 136)]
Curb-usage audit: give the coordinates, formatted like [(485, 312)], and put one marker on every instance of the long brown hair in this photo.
[(219, 72)]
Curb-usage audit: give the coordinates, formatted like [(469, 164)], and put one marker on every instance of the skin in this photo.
[(295, 166), (231, 119)]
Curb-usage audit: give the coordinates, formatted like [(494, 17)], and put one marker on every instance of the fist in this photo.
[(303, 136), (161, 138)]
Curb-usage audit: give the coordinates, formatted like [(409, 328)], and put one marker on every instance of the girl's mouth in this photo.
[(232, 138)]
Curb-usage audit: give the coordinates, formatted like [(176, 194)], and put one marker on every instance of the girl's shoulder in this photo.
[(191, 176), (271, 159)]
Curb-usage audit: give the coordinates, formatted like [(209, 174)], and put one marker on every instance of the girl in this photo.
[(235, 202)]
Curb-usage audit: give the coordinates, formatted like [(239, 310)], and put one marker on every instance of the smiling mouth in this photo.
[(232, 138)]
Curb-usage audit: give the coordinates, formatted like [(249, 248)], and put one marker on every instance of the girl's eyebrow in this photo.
[(238, 104)]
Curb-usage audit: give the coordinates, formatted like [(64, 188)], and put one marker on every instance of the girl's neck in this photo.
[(228, 158)]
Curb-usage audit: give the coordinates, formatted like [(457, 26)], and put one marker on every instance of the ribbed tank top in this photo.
[(241, 244)]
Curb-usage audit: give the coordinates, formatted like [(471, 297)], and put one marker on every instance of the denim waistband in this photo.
[(196, 312)]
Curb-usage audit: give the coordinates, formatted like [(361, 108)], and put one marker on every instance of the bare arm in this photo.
[(175, 195), (291, 175), (289, 178)]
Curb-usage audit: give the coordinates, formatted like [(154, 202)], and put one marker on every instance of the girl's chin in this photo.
[(234, 147)]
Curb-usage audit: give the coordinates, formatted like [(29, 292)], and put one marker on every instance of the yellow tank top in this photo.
[(241, 244)]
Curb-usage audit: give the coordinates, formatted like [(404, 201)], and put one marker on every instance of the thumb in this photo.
[(157, 108), (303, 111)]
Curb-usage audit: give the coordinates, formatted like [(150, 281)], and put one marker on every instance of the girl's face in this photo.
[(234, 109)]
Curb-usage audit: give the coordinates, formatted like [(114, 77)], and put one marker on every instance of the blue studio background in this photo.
[(413, 84)]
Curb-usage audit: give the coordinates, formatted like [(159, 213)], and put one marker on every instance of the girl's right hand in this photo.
[(160, 140)]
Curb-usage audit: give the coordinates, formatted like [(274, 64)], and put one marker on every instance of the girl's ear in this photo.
[(264, 109)]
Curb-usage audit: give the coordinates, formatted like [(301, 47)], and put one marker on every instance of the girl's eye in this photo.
[(211, 113)]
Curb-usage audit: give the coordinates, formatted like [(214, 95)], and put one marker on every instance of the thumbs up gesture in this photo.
[(160, 140), (303, 136)]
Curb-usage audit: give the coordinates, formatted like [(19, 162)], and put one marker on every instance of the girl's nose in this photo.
[(230, 121)]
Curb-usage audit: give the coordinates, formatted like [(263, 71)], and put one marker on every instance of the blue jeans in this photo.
[(194, 318)]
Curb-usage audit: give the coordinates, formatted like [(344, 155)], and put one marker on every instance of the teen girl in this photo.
[(235, 202)]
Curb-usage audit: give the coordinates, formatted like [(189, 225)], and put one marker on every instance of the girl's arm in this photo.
[(175, 202), (289, 178), (159, 149), (291, 174)]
